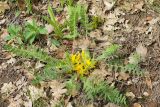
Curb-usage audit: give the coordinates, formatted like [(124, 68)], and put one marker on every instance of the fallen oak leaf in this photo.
[(149, 82), (136, 105), (139, 6), (4, 34), (15, 103), (7, 88), (3, 6), (36, 93), (123, 76), (69, 104), (142, 51), (39, 65), (2, 21), (109, 4), (111, 105), (130, 94), (21, 4), (149, 18), (57, 88)]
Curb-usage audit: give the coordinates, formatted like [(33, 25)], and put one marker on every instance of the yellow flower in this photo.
[(78, 56), (73, 58), (79, 69), (81, 62), (88, 62), (83, 54)]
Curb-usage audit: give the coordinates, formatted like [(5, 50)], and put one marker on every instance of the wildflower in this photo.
[(79, 68), (82, 62), (73, 58)]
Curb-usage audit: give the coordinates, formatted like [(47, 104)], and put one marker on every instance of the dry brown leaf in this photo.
[(55, 3), (2, 21), (149, 18), (69, 104), (154, 21), (57, 88), (28, 74), (36, 93), (96, 33), (110, 80), (127, 5), (123, 76), (100, 74), (81, 43), (129, 82), (111, 105), (149, 82), (15, 103), (4, 34), (112, 19), (11, 61), (21, 4), (84, 43), (142, 51), (39, 65), (7, 88), (90, 105), (130, 94), (3, 6), (136, 105), (139, 5), (28, 103), (109, 4), (96, 8)]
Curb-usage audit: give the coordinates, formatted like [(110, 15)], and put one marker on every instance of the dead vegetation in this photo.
[(83, 53)]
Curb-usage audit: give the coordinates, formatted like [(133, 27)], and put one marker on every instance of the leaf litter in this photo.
[(116, 26)]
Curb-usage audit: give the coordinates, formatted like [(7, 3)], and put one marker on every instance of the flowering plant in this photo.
[(82, 62)]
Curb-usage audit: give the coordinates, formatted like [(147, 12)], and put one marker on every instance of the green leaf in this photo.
[(74, 15), (100, 89), (28, 35), (42, 30), (53, 22), (9, 37), (31, 40), (55, 42), (70, 37), (13, 31), (33, 31), (111, 50)]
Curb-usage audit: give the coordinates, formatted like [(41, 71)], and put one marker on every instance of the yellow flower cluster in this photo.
[(82, 62)]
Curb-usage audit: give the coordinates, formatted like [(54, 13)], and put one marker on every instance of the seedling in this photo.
[(33, 31), (14, 33), (74, 16), (94, 88), (54, 22)]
